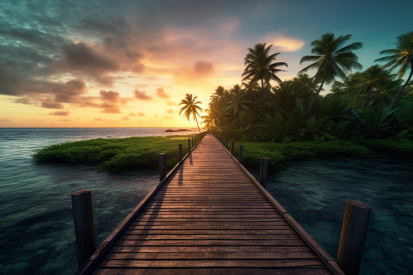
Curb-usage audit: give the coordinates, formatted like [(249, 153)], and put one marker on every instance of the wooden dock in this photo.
[(209, 216)]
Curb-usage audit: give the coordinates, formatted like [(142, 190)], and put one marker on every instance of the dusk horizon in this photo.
[(129, 65)]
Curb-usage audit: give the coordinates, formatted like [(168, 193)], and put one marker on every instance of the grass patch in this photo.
[(280, 153), (143, 152), (116, 154)]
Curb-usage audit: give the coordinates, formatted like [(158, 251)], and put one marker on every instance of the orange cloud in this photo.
[(283, 43), (142, 95), (140, 113), (125, 118), (161, 93), (170, 103), (60, 113)]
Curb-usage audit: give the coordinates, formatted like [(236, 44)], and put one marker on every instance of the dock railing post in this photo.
[(180, 151), (84, 225), (189, 145), (264, 172), (353, 236), (241, 153), (162, 166), (232, 147)]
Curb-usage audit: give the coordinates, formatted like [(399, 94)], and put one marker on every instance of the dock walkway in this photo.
[(209, 216)]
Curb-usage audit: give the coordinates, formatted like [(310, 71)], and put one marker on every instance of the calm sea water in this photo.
[(36, 223), (315, 194)]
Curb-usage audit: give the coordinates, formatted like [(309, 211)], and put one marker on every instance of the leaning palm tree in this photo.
[(260, 67), (401, 57), (191, 108), (331, 60)]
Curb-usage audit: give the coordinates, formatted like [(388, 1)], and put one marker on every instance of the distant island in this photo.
[(179, 130)]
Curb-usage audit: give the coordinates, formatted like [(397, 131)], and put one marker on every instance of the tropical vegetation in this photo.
[(190, 108), (361, 105)]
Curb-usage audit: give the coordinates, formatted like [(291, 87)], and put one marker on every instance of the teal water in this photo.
[(36, 222), (315, 194)]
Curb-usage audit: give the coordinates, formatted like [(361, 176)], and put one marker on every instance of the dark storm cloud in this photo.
[(70, 91)]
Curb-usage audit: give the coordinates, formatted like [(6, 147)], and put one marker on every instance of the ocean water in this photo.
[(315, 194), (36, 222)]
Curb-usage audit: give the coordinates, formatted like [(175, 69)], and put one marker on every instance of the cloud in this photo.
[(5, 120), (99, 119), (140, 113), (142, 95), (171, 103), (60, 113), (69, 92), (125, 118), (35, 120), (132, 115), (112, 121), (110, 108), (199, 71), (51, 105), (161, 93), (282, 43), (170, 111), (23, 100), (64, 120), (109, 96)]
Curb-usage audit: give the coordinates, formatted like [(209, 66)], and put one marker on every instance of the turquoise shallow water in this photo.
[(315, 194), (36, 222)]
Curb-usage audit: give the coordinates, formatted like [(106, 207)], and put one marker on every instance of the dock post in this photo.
[(353, 236), (189, 145), (232, 147), (180, 151), (241, 153), (264, 172), (162, 166), (84, 225)]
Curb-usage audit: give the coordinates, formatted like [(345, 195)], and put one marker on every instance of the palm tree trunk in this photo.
[(197, 124), (262, 90), (314, 98), (404, 86), (365, 101)]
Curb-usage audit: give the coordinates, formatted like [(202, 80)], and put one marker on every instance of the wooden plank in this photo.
[(211, 256), (211, 232), (286, 242), (210, 237), (211, 263), (208, 271)]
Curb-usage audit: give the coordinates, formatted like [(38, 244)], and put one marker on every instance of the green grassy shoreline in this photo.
[(112, 155)]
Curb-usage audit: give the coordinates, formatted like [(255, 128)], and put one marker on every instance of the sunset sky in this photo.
[(129, 63)]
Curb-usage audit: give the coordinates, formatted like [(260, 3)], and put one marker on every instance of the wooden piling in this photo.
[(84, 225), (180, 151), (189, 145), (353, 236), (241, 154), (232, 147), (162, 166), (264, 172)]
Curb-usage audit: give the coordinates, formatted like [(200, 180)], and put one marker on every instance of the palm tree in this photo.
[(236, 101), (401, 57), (208, 120), (191, 108), (331, 60), (259, 66), (371, 80)]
